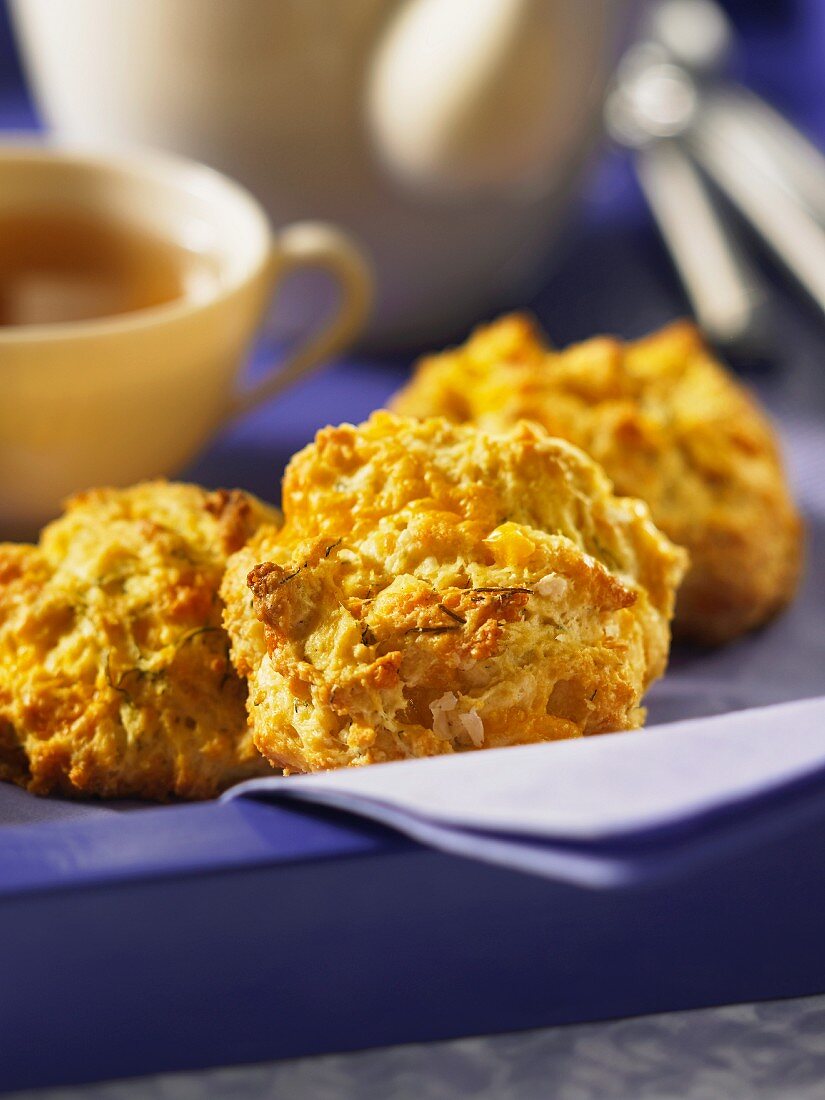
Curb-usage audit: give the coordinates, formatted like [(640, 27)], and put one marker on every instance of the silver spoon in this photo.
[(650, 108), (764, 165)]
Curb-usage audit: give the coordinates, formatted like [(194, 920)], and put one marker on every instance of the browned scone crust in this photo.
[(669, 425), (115, 678), (436, 588)]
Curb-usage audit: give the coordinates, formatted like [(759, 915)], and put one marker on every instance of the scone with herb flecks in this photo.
[(669, 425), (436, 588), (115, 678)]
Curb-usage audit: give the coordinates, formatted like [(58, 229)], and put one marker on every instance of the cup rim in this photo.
[(178, 172)]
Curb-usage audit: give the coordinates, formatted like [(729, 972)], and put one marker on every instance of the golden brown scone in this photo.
[(436, 589), (115, 678), (669, 425)]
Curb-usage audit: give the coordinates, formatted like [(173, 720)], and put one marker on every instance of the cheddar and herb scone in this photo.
[(669, 425), (115, 678), (436, 588)]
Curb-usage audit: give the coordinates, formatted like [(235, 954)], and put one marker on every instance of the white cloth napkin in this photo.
[(599, 811)]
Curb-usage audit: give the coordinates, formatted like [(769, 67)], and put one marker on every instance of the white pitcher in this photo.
[(444, 134)]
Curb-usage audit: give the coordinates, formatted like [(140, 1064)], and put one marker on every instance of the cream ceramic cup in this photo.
[(115, 400)]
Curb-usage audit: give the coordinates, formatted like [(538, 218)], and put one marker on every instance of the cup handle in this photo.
[(308, 245)]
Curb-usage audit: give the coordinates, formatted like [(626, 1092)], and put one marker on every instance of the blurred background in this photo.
[(462, 144)]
